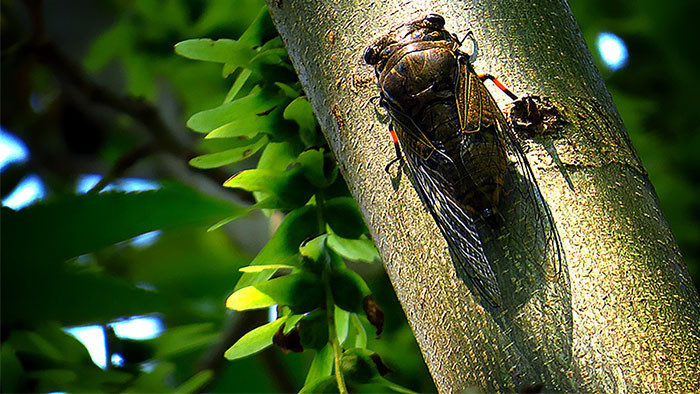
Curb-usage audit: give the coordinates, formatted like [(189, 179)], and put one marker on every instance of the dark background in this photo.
[(187, 273)]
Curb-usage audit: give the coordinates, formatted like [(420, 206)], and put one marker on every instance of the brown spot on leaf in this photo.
[(289, 341), (247, 152), (535, 115), (374, 313), (381, 367)]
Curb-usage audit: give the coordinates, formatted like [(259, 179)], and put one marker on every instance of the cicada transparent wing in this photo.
[(525, 238), (539, 236), (457, 225)]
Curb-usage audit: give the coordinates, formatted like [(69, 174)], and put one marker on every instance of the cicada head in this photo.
[(428, 28)]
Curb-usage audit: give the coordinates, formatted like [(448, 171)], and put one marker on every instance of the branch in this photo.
[(622, 314), (163, 138)]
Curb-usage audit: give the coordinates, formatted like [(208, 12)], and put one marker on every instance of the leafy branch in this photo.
[(321, 304)]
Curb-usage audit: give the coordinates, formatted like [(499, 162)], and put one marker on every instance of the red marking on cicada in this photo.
[(498, 84), (397, 148)]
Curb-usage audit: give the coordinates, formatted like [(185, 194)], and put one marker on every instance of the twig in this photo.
[(122, 164)]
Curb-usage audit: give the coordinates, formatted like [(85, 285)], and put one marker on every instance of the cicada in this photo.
[(458, 147)]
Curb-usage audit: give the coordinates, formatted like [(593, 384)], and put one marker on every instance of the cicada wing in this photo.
[(457, 226), (478, 112), (469, 97), (545, 244)]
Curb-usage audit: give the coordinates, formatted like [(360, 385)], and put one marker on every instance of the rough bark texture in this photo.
[(623, 316)]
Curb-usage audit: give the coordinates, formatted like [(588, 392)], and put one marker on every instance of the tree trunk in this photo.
[(622, 316)]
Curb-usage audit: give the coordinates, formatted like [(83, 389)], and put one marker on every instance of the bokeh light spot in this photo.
[(612, 50), (29, 190)]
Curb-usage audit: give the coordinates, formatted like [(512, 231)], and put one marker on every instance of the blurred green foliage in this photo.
[(67, 261)]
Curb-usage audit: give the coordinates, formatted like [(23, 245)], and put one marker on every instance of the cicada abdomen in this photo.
[(462, 156)]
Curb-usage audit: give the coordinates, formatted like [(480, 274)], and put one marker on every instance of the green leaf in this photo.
[(257, 180), (312, 165), (255, 340), (34, 276), (300, 111), (269, 203), (275, 42), (139, 75), (249, 298), (249, 125), (325, 385), (196, 382), (27, 288), (360, 333), (233, 54), (154, 381), (213, 145), (290, 187), (301, 292), (219, 51), (291, 322), (315, 257), (342, 320), (358, 367), (343, 215), (349, 289), (229, 156), (11, 369), (321, 367), (393, 386), (359, 250), (57, 377), (288, 90), (182, 339), (258, 29), (278, 155), (73, 225), (260, 268), (241, 79), (258, 101), (314, 248), (49, 342), (270, 59), (313, 330), (283, 247), (112, 43)]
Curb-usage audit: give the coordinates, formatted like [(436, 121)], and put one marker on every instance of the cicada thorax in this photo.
[(469, 161)]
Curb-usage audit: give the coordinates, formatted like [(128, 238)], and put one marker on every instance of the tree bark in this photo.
[(622, 316)]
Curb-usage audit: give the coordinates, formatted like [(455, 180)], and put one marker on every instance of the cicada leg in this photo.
[(475, 52), (498, 84)]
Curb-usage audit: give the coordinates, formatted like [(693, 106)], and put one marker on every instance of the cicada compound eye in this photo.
[(370, 55), (435, 21)]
